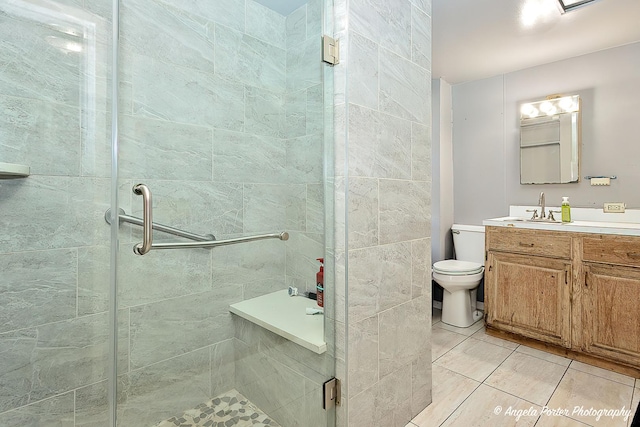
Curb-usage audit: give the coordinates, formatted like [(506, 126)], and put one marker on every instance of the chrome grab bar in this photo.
[(206, 241), (213, 243), (147, 220), (159, 227)]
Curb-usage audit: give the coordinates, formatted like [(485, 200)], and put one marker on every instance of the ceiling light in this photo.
[(569, 5)]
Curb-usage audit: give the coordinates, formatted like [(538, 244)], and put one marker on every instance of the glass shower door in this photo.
[(221, 116), (54, 243)]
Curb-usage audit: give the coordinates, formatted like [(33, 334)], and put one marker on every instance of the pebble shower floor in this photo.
[(230, 409)]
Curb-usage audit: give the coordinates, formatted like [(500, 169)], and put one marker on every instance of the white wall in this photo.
[(442, 168), (486, 134), (479, 151)]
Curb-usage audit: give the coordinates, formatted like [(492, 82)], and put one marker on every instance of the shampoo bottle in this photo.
[(566, 210), (320, 284)]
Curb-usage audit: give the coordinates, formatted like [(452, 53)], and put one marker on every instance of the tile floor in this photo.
[(476, 375)]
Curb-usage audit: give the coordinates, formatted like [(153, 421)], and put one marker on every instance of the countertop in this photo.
[(586, 220)]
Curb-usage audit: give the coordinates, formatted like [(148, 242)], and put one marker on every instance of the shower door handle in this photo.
[(147, 220)]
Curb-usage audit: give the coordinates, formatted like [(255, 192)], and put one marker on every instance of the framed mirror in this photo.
[(550, 140)]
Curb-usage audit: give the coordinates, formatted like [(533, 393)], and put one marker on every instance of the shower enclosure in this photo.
[(217, 115)]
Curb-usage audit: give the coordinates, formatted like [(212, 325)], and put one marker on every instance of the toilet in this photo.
[(460, 277)]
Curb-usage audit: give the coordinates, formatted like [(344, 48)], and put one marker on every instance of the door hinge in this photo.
[(331, 393), (330, 50)]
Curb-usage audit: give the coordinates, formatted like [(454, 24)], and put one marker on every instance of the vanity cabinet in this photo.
[(526, 293), (577, 294), (611, 297)]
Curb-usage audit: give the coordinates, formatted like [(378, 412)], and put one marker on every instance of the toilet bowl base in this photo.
[(459, 308)]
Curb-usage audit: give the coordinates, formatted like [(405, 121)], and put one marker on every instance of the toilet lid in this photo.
[(455, 267)]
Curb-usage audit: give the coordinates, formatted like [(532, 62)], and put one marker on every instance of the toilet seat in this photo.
[(454, 267)]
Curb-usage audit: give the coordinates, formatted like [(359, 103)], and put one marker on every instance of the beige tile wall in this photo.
[(383, 139)]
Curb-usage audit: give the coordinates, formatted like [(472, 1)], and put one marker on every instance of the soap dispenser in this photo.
[(566, 210)]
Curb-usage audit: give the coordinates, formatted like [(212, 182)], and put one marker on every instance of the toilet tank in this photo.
[(468, 242)]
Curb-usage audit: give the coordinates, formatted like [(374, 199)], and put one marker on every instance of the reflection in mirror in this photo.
[(550, 140)]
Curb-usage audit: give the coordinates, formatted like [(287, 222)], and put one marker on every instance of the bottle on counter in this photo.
[(566, 210)]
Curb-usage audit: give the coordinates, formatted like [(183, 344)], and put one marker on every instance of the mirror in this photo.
[(550, 140)]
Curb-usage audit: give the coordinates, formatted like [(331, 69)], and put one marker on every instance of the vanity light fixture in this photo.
[(550, 106), (569, 5)]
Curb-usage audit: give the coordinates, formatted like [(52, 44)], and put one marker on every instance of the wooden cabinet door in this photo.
[(611, 312), (530, 296)]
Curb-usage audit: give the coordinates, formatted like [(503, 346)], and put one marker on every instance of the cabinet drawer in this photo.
[(529, 242), (610, 249)]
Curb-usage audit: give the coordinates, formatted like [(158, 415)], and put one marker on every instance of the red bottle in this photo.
[(320, 284)]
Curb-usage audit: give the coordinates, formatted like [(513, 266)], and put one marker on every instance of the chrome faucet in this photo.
[(541, 203)]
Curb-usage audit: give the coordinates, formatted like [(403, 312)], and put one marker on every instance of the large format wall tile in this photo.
[(404, 89), (172, 327), (265, 24), (303, 66), (40, 134), (363, 212), (296, 26), (223, 367), (162, 274), (314, 18), (316, 209), (303, 249), (159, 149), (37, 288), (405, 212), (242, 157), (363, 72), (273, 208), (52, 359), (198, 207), (412, 318), (248, 263), (230, 13), (249, 60), (420, 152), (393, 402), (186, 95), (54, 412), (315, 115), (379, 144), (425, 5), (23, 50), (92, 405), (364, 342), (264, 381), (304, 159), (264, 113), (155, 393), (388, 23), (379, 278), (421, 379), (420, 267), (420, 38), (166, 33), (53, 212), (296, 113)]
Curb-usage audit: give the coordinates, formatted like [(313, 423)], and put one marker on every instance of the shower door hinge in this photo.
[(330, 50), (331, 393)]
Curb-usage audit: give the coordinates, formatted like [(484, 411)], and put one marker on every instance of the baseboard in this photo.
[(480, 305)]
